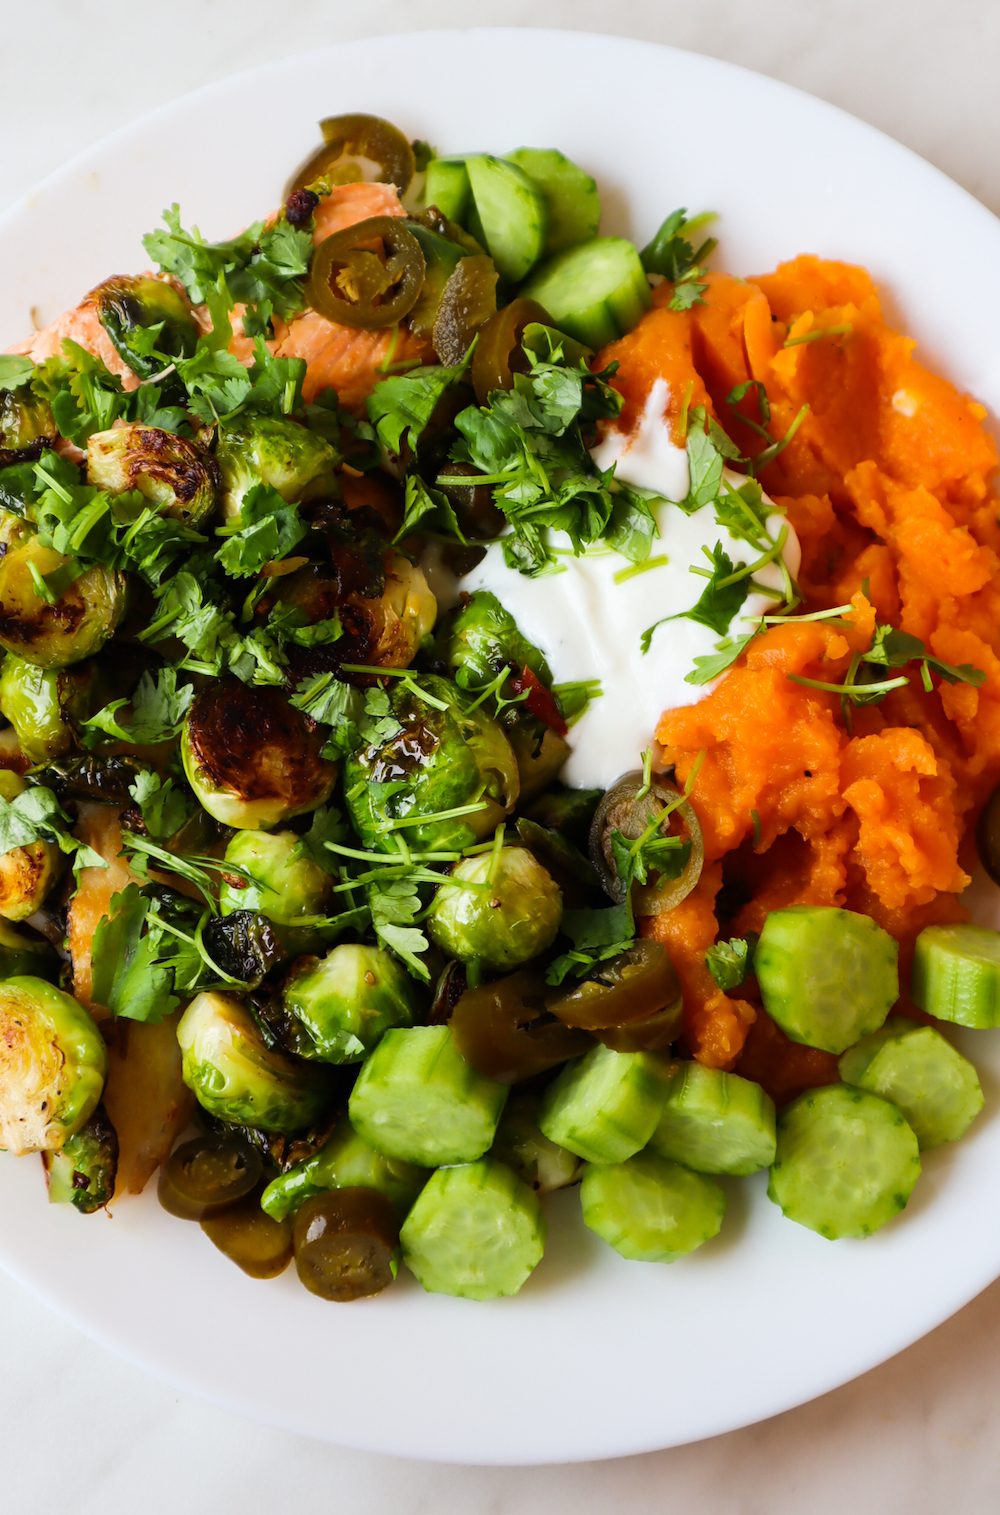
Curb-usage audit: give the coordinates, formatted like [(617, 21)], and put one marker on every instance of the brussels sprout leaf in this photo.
[(158, 711), (731, 962)]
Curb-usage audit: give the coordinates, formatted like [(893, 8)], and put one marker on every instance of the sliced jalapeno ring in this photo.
[(346, 1243), (357, 147), (499, 354), (207, 1175), (504, 1032), (622, 810), (633, 986), (349, 282), (654, 1034)]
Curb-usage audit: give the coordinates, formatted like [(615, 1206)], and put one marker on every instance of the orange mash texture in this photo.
[(888, 480)]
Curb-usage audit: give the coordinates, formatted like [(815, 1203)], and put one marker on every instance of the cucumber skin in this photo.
[(810, 1130), (476, 1231), (650, 1209), (433, 1084), (563, 286), (511, 214), (956, 975), (693, 1127), (895, 1064), (605, 1106), (447, 186), (571, 196), (779, 961)]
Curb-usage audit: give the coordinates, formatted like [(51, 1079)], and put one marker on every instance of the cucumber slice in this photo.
[(511, 214), (520, 1144), (715, 1122), (650, 1209), (956, 975), (346, 1161), (570, 196), (596, 292), (827, 976), (846, 1161), (936, 1088), (446, 185), (605, 1106), (417, 1099), (476, 1231)]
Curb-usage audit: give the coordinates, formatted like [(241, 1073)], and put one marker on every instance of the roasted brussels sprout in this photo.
[(14, 530), (53, 1063), (443, 757), (343, 1004), (27, 873), (176, 476), (128, 306), (70, 628), (91, 776), (245, 946), (520, 1144), (346, 1161), (259, 449), (510, 913), (286, 885), (251, 758), (27, 954), (234, 1076), (384, 619), (26, 426), (539, 751), (42, 704), (83, 1173), (483, 638)]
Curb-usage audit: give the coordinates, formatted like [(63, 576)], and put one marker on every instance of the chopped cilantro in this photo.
[(730, 963), (158, 711)]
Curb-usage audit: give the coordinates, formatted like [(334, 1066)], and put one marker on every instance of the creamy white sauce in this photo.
[(589, 617)]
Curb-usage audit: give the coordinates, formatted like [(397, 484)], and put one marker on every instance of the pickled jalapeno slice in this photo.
[(499, 354), (346, 1243), (633, 986), (357, 147), (206, 1175), (351, 284), (505, 1031)]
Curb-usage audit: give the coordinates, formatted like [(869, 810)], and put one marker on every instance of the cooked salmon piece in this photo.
[(81, 324)]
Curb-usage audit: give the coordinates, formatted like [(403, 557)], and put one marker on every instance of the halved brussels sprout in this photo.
[(344, 1003), (26, 873), (26, 425), (509, 915), (42, 704), (53, 1063), (520, 1144), (251, 758), (385, 606), (175, 475), (483, 638), (80, 620), (14, 530), (128, 306), (285, 884), (83, 1173), (259, 449), (444, 757), (539, 751), (27, 954), (234, 1075), (345, 1161)]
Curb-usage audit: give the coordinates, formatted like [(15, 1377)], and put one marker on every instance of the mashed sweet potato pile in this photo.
[(887, 480)]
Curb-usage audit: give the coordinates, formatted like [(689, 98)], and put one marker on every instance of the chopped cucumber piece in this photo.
[(476, 1231), (570, 195), (715, 1122), (417, 1099), (956, 975), (447, 186), (936, 1088), (511, 212), (520, 1144), (846, 1161), (827, 976), (596, 292), (345, 1161), (650, 1209), (605, 1106)]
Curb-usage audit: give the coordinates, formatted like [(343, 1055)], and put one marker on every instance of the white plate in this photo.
[(596, 1357)]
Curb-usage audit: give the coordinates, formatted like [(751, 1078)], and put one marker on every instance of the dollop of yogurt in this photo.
[(588, 616)]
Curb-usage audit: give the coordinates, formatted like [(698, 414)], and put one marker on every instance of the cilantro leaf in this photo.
[(720, 600), (891, 648), (395, 907), (597, 935), (664, 855), (164, 809), (36, 815), (158, 711), (261, 264), (378, 725), (427, 506), (331, 702), (400, 406), (327, 826), (266, 530), (707, 669), (731, 962), (14, 370), (83, 394), (669, 253), (688, 292), (129, 976)]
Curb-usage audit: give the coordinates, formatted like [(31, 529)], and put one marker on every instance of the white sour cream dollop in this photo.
[(588, 618)]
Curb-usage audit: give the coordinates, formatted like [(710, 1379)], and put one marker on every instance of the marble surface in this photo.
[(920, 1434)]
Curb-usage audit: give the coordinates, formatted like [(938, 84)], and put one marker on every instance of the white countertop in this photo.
[(81, 1429)]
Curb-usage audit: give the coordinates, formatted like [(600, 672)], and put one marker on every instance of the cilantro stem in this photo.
[(749, 569), (624, 574), (647, 774), (849, 688), (820, 331), (393, 344), (770, 453), (426, 820), (816, 615), (498, 841)]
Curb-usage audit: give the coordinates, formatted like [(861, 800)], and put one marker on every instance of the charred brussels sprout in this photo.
[(346, 1161), (174, 475), (344, 1003), (27, 954), (130, 308), (53, 1063), (286, 885), (258, 449), (26, 426), (233, 1075), (484, 638), (539, 751), (42, 704), (83, 1173), (509, 913), (441, 758), (27, 873), (245, 946), (253, 760), (66, 627)]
